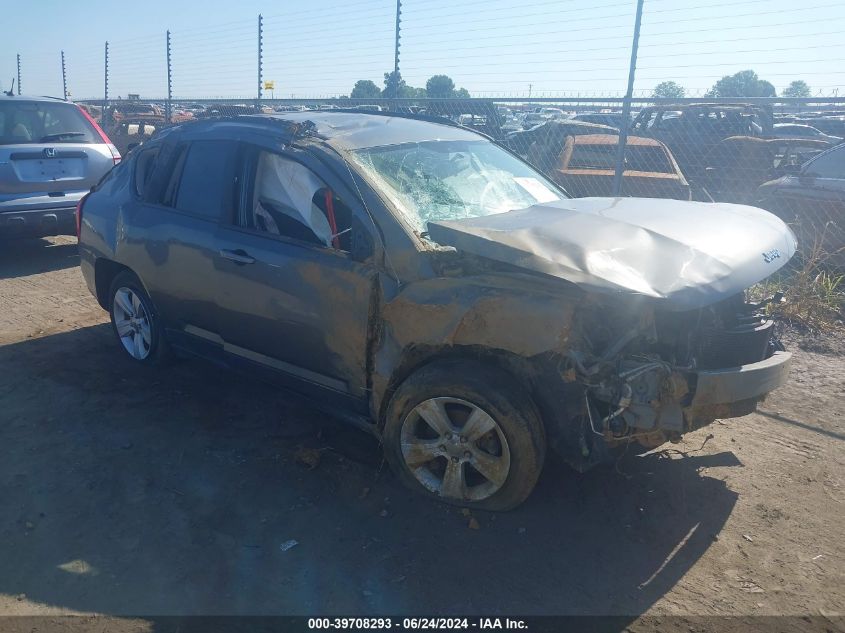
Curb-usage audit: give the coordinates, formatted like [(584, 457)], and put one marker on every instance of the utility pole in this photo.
[(19, 74), (626, 104), (64, 76), (260, 54), (530, 86), (169, 105), (396, 49)]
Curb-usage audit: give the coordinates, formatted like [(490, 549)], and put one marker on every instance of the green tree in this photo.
[(365, 89), (668, 90), (797, 88), (395, 86), (745, 83), (440, 87)]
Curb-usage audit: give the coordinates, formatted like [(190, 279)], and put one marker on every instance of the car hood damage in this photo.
[(685, 254)]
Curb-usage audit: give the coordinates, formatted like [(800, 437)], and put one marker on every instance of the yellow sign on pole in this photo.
[(269, 85)]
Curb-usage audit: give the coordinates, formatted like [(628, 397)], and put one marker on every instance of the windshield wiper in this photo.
[(56, 137)]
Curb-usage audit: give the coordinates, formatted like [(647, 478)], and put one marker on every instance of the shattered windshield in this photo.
[(448, 180)]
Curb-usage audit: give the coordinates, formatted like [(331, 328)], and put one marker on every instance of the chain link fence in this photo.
[(548, 79), (710, 151)]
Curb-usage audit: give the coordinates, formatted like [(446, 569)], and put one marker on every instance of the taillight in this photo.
[(114, 153), (79, 215)]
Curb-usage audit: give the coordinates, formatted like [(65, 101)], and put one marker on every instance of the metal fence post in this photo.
[(19, 73), (104, 116), (168, 109), (64, 76), (396, 45), (260, 54), (626, 105)]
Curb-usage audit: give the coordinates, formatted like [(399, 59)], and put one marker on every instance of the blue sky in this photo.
[(491, 47)]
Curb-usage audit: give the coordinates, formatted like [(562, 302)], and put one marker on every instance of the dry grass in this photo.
[(814, 292)]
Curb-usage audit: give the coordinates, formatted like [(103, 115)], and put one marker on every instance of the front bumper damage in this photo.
[(653, 403), (728, 393), (653, 378)]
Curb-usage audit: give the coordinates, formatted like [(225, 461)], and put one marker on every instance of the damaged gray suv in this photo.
[(434, 289)]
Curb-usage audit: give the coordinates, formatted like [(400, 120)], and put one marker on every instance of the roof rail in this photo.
[(297, 129)]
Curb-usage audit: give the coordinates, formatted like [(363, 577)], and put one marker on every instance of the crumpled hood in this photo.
[(689, 254)]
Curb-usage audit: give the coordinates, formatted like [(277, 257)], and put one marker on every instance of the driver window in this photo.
[(289, 200)]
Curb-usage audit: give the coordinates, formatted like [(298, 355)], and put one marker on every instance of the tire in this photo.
[(494, 465), (135, 322)]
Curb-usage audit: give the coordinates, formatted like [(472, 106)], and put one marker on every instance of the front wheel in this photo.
[(135, 321), (466, 434)]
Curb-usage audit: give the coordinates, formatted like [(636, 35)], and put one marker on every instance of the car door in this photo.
[(294, 300), (173, 221)]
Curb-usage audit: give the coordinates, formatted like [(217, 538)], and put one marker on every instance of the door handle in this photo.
[(239, 256)]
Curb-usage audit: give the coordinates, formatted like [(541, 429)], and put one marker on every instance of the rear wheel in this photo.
[(135, 322), (466, 434)]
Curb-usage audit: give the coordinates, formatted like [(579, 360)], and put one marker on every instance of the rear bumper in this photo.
[(732, 392), (39, 222)]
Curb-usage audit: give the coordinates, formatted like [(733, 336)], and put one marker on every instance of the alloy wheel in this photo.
[(132, 322), (455, 449)]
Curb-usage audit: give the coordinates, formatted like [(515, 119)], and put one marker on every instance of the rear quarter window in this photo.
[(145, 163)]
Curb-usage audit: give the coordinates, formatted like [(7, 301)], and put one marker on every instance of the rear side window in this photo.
[(205, 187), (35, 122), (144, 165)]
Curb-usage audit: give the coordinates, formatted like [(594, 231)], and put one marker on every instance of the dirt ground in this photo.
[(128, 492)]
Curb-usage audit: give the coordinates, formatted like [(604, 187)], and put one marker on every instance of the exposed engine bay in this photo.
[(639, 375)]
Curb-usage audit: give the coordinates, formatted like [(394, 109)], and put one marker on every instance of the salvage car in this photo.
[(801, 131), (613, 119), (588, 165), (692, 130), (738, 165), (51, 153), (541, 146), (130, 133), (812, 200), (431, 287), (830, 124)]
